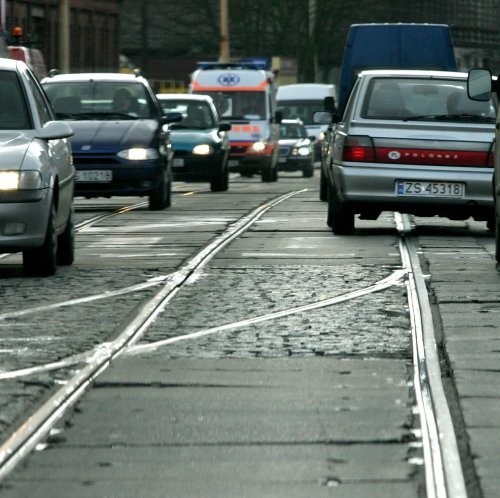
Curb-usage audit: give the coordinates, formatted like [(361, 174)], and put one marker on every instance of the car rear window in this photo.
[(423, 99)]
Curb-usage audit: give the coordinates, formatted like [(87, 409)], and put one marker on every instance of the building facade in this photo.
[(94, 31)]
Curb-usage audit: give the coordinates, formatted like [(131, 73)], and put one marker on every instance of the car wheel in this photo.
[(308, 171), (340, 218), (497, 239), (66, 242), (220, 183), (267, 173), (42, 261), (491, 223), (323, 186), (158, 199)]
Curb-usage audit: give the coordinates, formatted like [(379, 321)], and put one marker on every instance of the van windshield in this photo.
[(239, 105), (300, 109)]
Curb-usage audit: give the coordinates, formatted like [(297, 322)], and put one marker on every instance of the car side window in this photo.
[(41, 103), (13, 110)]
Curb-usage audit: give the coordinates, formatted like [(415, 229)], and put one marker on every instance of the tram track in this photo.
[(441, 459)]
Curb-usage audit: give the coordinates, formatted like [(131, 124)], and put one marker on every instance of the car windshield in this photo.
[(240, 105), (291, 131), (195, 114), (300, 109), (13, 111), (99, 100), (436, 99)]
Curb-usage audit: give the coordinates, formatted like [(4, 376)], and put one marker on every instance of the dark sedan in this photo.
[(120, 146), (201, 144)]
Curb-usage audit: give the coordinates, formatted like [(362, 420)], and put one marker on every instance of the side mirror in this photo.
[(170, 117), (54, 130), (224, 126), (479, 84), (322, 117)]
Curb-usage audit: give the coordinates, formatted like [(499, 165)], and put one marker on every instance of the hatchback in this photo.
[(121, 145), (411, 141), (200, 140), (37, 176)]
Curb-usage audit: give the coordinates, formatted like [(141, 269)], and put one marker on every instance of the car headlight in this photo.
[(138, 154), (20, 180), (321, 136), (203, 150), (301, 151), (259, 146)]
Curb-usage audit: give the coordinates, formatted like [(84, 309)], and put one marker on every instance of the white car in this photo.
[(411, 141), (37, 176)]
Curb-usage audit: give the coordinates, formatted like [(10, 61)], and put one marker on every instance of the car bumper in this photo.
[(294, 163), (197, 168), (23, 224), (363, 185), (139, 178)]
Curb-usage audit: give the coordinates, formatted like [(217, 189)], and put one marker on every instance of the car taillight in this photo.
[(433, 157), (358, 149)]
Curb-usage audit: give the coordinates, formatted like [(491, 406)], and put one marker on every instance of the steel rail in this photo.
[(37, 426), (443, 470)]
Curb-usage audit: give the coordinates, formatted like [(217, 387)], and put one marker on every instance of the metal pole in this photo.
[(144, 37), (224, 32), (64, 38)]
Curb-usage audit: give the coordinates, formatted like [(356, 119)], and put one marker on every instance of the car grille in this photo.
[(285, 151)]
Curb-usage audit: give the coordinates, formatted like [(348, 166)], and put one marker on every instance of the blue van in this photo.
[(394, 46)]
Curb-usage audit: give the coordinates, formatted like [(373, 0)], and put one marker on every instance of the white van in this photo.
[(299, 101), (244, 95)]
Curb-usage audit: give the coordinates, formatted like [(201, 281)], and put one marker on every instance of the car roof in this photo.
[(111, 77), (184, 96), (422, 73), (10, 64)]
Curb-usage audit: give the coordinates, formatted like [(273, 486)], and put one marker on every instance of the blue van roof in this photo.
[(398, 45)]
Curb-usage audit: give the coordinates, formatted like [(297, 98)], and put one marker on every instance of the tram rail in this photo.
[(442, 462)]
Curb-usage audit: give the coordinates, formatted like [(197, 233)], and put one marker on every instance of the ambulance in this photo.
[(244, 95)]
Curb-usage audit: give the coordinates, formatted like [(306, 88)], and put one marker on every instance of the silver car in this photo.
[(411, 141), (36, 174)]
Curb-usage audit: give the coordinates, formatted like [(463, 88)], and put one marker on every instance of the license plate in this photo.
[(178, 162), (99, 175), (282, 160), (233, 162), (430, 189)]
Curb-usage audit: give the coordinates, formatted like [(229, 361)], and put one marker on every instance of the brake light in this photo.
[(358, 149), (434, 157)]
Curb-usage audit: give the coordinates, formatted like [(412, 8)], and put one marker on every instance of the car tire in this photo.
[(340, 218), (491, 223), (308, 171), (42, 261), (267, 173), (220, 183), (323, 186), (66, 242), (497, 239), (158, 199)]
